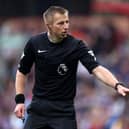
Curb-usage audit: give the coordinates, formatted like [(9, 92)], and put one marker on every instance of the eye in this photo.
[(61, 23), (67, 21)]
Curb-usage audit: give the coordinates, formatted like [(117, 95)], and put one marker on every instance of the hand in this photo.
[(20, 110), (122, 90)]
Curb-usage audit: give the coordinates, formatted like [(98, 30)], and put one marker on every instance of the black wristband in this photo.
[(19, 98), (116, 85)]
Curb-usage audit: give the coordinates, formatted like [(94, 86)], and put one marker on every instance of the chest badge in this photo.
[(62, 69)]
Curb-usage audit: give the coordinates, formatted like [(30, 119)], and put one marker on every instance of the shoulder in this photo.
[(77, 41), (39, 37), (36, 40), (73, 39)]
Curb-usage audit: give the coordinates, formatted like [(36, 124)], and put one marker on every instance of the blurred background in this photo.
[(103, 24)]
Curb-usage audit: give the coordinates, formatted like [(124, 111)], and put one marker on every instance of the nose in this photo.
[(66, 25)]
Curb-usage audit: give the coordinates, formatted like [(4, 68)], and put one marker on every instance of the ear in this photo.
[(48, 26)]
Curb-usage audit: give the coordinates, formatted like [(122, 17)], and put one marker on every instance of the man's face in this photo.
[(60, 25)]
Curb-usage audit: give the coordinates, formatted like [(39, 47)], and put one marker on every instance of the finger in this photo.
[(123, 93), (23, 112), (18, 114), (23, 115), (126, 89)]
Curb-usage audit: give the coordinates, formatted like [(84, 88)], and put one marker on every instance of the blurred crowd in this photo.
[(97, 106)]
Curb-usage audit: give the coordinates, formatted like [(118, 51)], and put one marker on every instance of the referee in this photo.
[(56, 54)]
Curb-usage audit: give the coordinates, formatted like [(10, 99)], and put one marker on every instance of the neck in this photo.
[(53, 38)]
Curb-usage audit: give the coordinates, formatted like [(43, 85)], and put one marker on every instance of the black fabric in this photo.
[(36, 122), (47, 114), (19, 98), (55, 65), (46, 127), (47, 108), (117, 84)]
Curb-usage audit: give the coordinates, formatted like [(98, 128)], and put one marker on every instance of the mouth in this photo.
[(64, 34)]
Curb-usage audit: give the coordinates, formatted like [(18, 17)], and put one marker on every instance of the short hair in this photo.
[(49, 13)]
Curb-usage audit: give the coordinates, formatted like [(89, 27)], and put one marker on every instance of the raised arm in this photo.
[(104, 75)]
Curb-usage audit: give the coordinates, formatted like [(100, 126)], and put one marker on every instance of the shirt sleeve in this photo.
[(87, 57), (27, 58)]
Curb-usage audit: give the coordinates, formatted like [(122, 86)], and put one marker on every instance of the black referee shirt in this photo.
[(55, 65)]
